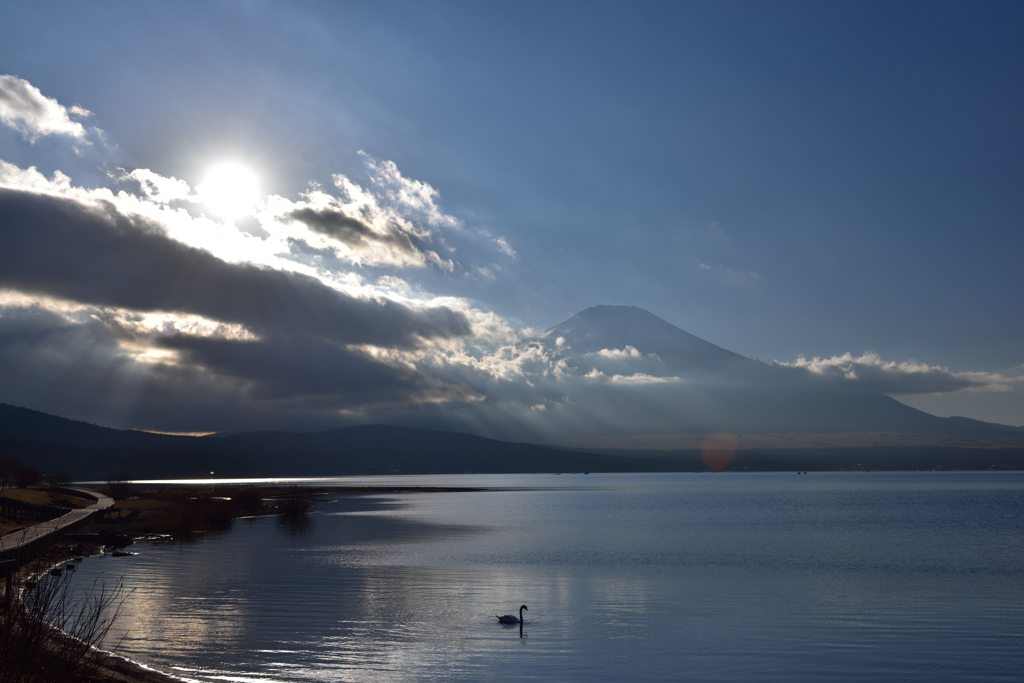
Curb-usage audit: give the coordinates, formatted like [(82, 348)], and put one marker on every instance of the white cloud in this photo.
[(617, 354), (641, 378), (446, 265), (412, 196), (637, 378), (158, 188), (504, 247), (25, 109), (869, 372), (130, 322)]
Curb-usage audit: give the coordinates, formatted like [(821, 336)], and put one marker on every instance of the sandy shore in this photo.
[(114, 668)]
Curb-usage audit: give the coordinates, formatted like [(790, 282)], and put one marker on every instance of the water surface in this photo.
[(657, 577)]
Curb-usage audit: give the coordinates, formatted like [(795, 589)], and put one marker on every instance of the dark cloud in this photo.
[(75, 365), (351, 231), (288, 367), (65, 366), (91, 252)]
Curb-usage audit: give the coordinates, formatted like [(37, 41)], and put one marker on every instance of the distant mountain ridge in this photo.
[(32, 425), (93, 452), (57, 444)]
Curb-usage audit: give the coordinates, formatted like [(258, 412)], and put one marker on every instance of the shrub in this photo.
[(59, 478), (47, 635), (199, 514), (27, 476), (295, 503), (248, 498), (8, 466), (118, 486)]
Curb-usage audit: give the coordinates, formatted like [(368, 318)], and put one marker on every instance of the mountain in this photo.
[(608, 333), (617, 371)]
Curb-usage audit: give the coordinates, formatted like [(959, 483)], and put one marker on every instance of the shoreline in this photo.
[(104, 666), (111, 667)]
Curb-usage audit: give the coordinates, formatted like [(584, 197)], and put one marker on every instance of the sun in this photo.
[(229, 190)]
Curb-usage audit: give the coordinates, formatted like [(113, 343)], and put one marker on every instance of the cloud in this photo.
[(158, 367), (504, 247), (158, 188), (138, 303), (412, 197), (93, 253), (336, 225), (135, 301), (269, 238), (637, 378), (392, 222), (868, 372), (25, 109), (280, 368), (616, 354)]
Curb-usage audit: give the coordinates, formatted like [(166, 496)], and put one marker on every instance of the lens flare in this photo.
[(718, 450)]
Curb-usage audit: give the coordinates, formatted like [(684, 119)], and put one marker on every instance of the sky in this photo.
[(230, 215)]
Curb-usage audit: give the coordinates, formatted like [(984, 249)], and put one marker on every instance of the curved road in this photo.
[(32, 534)]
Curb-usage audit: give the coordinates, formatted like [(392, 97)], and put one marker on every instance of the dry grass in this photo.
[(37, 495)]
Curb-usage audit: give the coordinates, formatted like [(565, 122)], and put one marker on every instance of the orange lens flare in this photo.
[(718, 450)]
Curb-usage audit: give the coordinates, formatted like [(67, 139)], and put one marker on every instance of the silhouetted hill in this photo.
[(382, 448), (23, 423), (56, 444)]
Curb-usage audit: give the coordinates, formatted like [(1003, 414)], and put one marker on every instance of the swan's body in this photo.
[(511, 618)]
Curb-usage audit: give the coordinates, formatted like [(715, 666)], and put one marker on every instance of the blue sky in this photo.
[(785, 180)]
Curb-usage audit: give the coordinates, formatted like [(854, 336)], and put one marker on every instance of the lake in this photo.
[(908, 576)]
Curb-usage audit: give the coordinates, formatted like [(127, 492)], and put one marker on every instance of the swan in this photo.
[(511, 618)]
